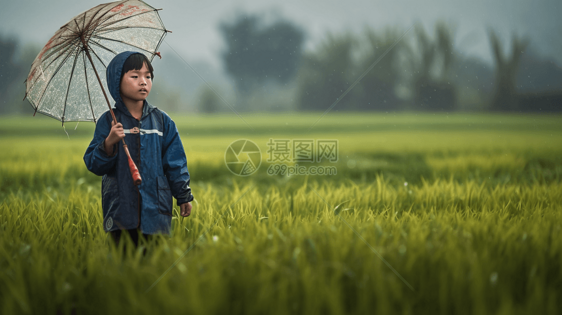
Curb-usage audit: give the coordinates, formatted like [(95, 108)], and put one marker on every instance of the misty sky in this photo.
[(196, 35)]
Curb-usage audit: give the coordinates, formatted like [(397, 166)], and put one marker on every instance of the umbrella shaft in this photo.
[(134, 170), (99, 80)]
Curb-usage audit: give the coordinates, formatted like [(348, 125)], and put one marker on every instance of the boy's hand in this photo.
[(185, 209), (115, 135)]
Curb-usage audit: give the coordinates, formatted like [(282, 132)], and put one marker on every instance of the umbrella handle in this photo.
[(137, 180)]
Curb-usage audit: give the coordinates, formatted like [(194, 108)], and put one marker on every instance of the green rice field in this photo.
[(428, 214)]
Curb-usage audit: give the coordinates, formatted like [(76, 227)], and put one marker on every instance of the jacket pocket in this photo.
[(165, 202)]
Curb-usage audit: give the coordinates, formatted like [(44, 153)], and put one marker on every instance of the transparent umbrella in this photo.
[(67, 78)]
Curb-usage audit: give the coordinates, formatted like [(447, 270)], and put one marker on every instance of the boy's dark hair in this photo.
[(135, 62)]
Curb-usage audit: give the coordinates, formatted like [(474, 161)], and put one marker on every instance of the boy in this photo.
[(155, 147)]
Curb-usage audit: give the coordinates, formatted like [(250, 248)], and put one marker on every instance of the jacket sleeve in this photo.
[(96, 159), (175, 162)]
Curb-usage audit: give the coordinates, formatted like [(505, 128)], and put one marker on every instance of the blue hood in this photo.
[(113, 77)]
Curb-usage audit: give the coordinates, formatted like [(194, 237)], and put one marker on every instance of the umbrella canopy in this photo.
[(67, 78)]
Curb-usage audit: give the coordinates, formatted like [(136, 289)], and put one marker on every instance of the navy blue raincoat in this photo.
[(158, 153)]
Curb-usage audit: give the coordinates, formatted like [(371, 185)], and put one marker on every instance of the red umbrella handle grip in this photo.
[(137, 180)]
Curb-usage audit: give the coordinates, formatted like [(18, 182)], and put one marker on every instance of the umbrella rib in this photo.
[(68, 47), (69, 83), (84, 21), (98, 57), (98, 11), (99, 19), (123, 19), (87, 87), (102, 46), (161, 38), (109, 30), (51, 80), (62, 45), (115, 40), (158, 45), (50, 63), (77, 33), (159, 19), (50, 115)]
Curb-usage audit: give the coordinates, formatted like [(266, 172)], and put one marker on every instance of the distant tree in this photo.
[(10, 72), (505, 97), (15, 63), (209, 102), (473, 72), (445, 50), (431, 61), (538, 73), (256, 52), (326, 73), (473, 79), (376, 90)]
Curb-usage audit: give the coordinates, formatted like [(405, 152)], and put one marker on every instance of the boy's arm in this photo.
[(96, 159), (175, 162)]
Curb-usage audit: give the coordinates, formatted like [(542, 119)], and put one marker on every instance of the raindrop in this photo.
[(182, 267), (493, 277)]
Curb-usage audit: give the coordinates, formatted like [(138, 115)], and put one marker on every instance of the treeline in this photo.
[(377, 69), (385, 70), (15, 62)]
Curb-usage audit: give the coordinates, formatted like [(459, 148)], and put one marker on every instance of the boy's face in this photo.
[(136, 84)]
